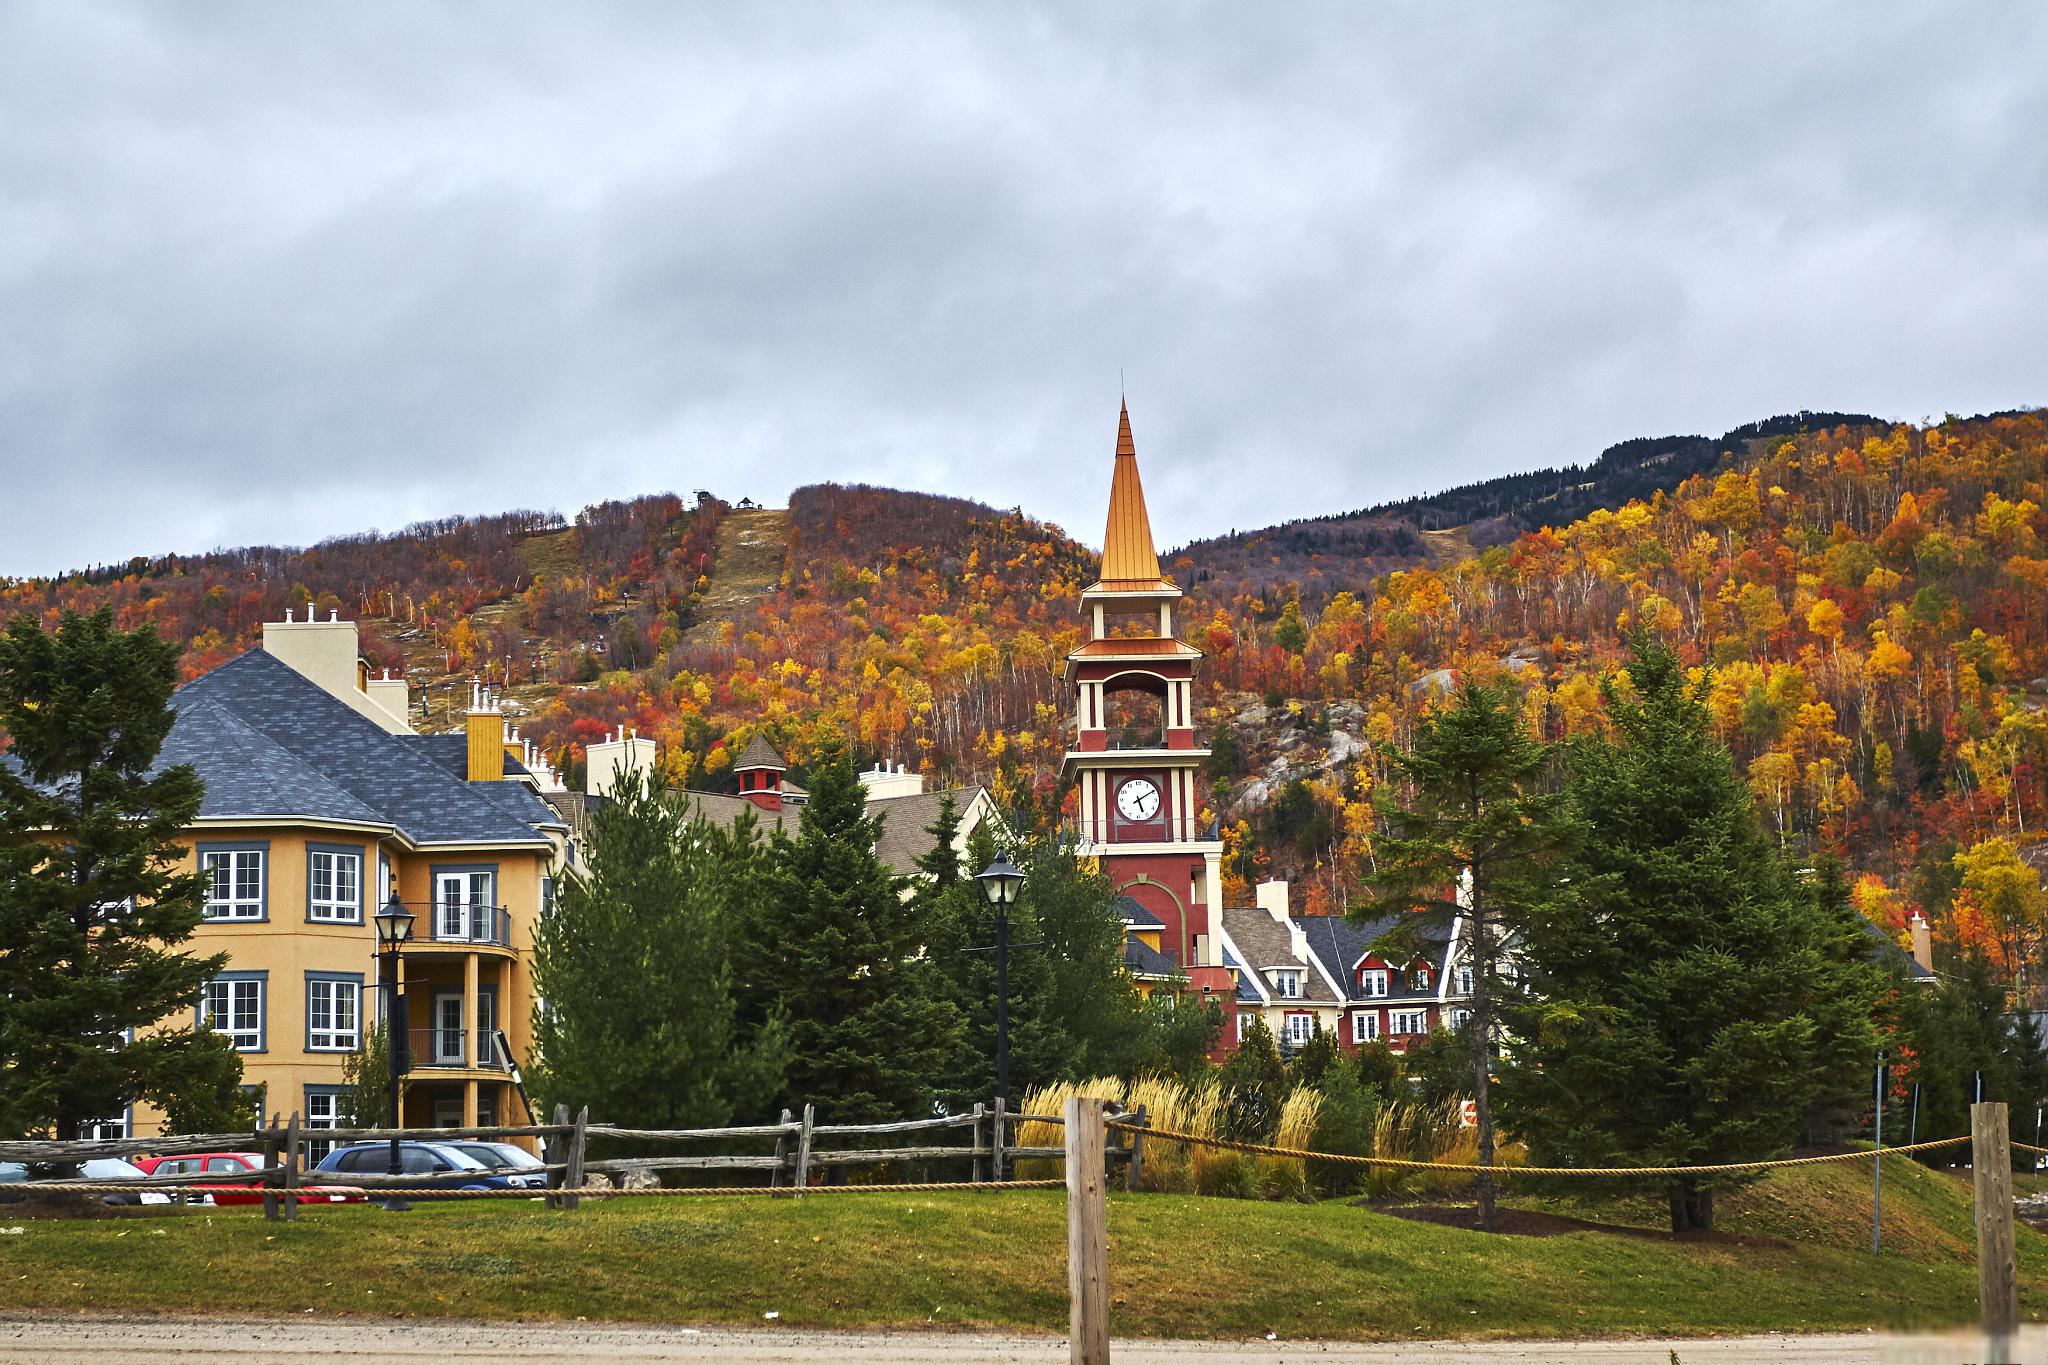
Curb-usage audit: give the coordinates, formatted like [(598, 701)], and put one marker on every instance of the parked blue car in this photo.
[(430, 1166)]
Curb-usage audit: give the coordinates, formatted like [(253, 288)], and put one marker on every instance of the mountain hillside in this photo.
[(1872, 598)]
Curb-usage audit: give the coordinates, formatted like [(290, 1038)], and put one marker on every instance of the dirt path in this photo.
[(746, 567), (115, 1341)]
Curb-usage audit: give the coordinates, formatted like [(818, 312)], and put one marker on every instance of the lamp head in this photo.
[(1000, 881), (394, 923)]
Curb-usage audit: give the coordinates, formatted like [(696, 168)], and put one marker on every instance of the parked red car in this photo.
[(215, 1172)]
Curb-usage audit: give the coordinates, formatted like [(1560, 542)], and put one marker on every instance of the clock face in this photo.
[(1137, 799)]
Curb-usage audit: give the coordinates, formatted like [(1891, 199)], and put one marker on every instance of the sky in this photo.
[(270, 273)]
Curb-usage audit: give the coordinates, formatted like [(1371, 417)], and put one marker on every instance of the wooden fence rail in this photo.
[(797, 1160)]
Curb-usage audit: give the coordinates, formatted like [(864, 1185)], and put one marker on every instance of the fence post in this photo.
[(291, 1169), (1137, 1164), (980, 1161), (1087, 1235), (573, 1177), (1001, 1166), (781, 1153), (270, 1178), (803, 1151), (551, 1150), (1997, 1275)]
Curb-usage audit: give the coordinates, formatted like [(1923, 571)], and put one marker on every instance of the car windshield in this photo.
[(12, 1172), (109, 1168), (503, 1156)]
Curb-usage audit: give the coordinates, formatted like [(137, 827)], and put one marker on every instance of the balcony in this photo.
[(457, 1049), (1086, 835), (456, 922)]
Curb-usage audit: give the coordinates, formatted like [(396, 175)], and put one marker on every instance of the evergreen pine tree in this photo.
[(96, 991), (1473, 817), (635, 967), (1254, 1083), (1693, 998), (871, 1026)]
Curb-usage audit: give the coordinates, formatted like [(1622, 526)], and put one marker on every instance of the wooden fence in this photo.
[(980, 1145)]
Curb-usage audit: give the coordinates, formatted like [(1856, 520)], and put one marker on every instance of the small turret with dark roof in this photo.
[(760, 771)]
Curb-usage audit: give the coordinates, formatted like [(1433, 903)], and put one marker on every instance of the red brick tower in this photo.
[(1134, 755)]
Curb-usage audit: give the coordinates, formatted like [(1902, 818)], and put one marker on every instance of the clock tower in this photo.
[(1134, 759)]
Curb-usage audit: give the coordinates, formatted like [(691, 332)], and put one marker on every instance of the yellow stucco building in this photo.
[(321, 805)]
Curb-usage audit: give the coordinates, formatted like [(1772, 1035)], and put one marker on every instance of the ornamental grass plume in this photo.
[(1287, 1177)]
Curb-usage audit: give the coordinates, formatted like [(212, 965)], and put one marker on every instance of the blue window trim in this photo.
[(362, 856), (353, 978), (436, 869), (201, 849), (258, 1091), (262, 1012)]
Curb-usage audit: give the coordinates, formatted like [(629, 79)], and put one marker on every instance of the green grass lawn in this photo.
[(1179, 1265)]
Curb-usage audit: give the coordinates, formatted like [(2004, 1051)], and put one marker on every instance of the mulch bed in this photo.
[(1531, 1223)]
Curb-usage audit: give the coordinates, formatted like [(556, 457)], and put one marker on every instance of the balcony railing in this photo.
[(459, 922), (478, 1048), (1089, 833)]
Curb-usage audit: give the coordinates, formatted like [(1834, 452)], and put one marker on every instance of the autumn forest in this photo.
[(1866, 605)]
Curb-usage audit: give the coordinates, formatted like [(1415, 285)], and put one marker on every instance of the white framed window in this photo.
[(104, 1130), (1372, 982), (334, 1013), (1407, 1023), (1298, 1029), (463, 903), (335, 886), (323, 1110), (1287, 984), (1240, 1027), (1464, 981), (1418, 978), (1365, 1027), (234, 882), (233, 1005), (1456, 1019)]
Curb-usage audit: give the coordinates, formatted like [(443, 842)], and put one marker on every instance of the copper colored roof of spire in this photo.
[(1127, 552)]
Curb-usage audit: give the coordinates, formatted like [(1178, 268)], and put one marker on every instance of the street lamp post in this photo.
[(1000, 882), (394, 927)]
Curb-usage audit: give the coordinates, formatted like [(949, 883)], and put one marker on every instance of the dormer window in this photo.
[(1418, 978), (1372, 982), (1464, 981), (1287, 983)]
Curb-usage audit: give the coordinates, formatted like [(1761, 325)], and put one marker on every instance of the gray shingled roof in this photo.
[(906, 825), (1131, 913), (760, 754), (1144, 960), (1267, 943), (902, 842), (268, 741), (1247, 991), (1338, 944)]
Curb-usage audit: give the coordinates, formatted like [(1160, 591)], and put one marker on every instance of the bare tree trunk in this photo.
[(1692, 1208)]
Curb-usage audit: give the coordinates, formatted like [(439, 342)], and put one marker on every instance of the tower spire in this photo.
[(1128, 555)]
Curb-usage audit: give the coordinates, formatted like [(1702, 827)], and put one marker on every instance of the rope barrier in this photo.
[(1727, 1168), (319, 1195)]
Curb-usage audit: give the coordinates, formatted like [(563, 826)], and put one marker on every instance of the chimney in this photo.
[(887, 780), (623, 752), (1923, 943), (328, 654), (486, 736), (1272, 898)]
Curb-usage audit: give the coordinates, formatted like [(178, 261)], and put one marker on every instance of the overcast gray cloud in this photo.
[(275, 272)]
